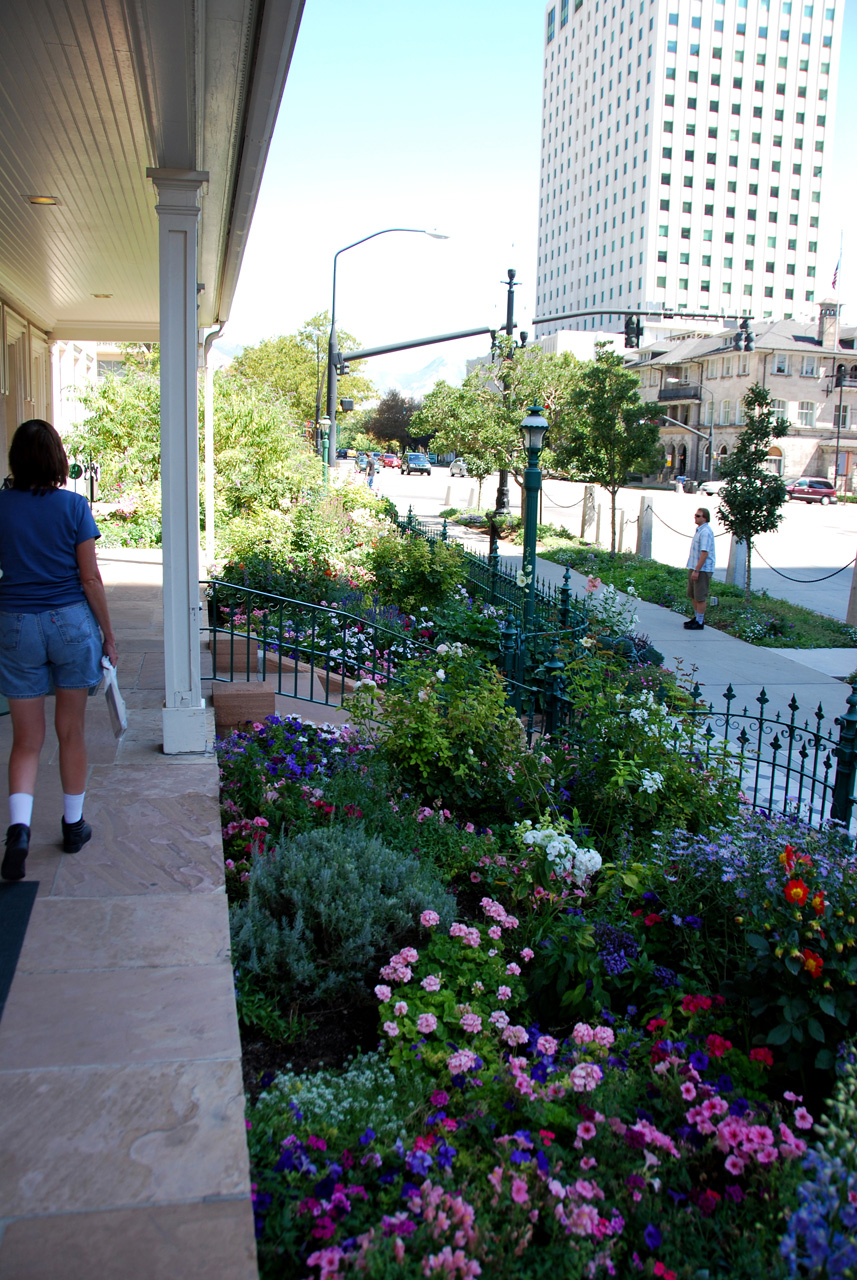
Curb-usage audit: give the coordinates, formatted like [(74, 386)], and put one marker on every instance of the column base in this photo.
[(187, 730)]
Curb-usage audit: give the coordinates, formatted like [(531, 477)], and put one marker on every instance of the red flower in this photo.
[(654, 918), (817, 902), (655, 1024), (717, 1046), (787, 857), (692, 1004), (796, 891), (763, 1056), (812, 963)]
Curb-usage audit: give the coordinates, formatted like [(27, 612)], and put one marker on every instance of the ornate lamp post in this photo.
[(533, 430)]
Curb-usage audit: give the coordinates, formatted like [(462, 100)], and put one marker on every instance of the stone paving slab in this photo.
[(196, 1241), (122, 1127)]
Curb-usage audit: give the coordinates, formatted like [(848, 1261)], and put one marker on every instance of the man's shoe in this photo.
[(75, 835), (693, 625), (17, 848)]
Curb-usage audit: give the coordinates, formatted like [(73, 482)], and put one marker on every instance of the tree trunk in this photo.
[(747, 576), (613, 522)]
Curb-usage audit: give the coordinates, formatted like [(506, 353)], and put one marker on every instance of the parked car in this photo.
[(361, 461), (458, 467), (390, 460), (416, 464), (342, 453), (811, 489), (711, 487)]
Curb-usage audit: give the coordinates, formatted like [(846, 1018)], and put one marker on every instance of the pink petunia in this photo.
[(688, 1091), (520, 1191), (803, 1119), (734, 1165), (586, 1130)]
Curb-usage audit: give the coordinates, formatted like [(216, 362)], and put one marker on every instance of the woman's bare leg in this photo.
[(28, 737), (69, 722)]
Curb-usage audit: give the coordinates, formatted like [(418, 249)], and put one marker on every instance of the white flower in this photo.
[(587, 642), (638, 715), (651, 781), (522, 579), (440, 673), (423, 695), (442, 648)]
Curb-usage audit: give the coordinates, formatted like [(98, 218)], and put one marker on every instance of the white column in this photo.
[(184, 718)]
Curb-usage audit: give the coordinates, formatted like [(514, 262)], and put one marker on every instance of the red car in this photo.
[(390, 460)]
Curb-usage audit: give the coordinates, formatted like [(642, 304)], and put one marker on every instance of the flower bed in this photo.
[(601, 1007)]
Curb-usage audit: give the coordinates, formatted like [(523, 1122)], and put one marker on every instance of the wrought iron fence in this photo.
[(315, 653)]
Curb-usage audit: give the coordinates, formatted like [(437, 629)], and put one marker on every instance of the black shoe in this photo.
[(693, 625), (17, 848), (75, 835)]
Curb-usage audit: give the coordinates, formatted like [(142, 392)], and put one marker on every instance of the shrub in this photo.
[(322, 906), (412, 572), (449, 735)]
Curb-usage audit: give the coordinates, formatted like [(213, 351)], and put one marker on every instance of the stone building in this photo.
[(809, 369)]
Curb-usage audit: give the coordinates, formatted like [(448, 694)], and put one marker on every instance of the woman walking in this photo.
[(52, 603)]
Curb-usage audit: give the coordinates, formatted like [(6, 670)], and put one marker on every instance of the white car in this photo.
[(711, 487), (458, 467)]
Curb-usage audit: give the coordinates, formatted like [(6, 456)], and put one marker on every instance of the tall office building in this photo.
[(684, 145)]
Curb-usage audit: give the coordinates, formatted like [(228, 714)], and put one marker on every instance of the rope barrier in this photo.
[(562, 505), (679, 532), (806, 580)]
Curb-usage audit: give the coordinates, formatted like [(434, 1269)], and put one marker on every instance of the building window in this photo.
[(551, 24), (781, 363), (841, 416), (725, 412), (563, 13), (806, 413), (708, 417), (808, 367), (727, 367)]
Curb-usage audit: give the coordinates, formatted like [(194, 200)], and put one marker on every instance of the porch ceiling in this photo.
[(92, 93)]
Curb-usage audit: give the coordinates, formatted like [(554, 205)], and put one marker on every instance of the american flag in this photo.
[(836, 272)]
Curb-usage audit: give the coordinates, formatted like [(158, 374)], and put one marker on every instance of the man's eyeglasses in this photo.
[(699, 516)]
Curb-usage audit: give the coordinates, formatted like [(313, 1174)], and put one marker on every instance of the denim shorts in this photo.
[(60, 648)]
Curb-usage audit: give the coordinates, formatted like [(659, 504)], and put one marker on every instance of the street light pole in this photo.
[(533, 430), (502, 506), (333, 356), (840, 378)]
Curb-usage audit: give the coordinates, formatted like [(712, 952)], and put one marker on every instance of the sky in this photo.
[(398, 114)]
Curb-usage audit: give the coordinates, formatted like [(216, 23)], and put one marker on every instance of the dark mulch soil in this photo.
[(331, 1037)]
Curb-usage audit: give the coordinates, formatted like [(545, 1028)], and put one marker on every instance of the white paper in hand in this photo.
[(115, 701)]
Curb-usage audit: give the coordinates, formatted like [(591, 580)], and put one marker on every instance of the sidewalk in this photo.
[(123, 1137), (716, 659)]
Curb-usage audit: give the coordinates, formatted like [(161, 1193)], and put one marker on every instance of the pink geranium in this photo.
[(383, 993), (426, 1023), (503, 993), (471, 1022), (429, 919), (391, 1028), (431, 982), (547, 1044)]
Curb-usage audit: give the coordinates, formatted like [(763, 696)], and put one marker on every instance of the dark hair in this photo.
[(37, 457), (706, 514)]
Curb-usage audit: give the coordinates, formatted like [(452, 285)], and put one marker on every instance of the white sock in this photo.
[(700, 617), (20, 808), (72, 808)]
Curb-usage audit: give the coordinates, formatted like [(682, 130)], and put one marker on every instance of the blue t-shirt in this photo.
[(39, 536)]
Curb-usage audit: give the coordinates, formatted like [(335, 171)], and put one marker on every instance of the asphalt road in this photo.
[(812, 540)]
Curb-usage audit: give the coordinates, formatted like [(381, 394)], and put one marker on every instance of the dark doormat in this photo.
[(16, 903)]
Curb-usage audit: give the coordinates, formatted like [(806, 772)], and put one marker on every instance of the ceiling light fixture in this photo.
[(102, 295), (42, 199)]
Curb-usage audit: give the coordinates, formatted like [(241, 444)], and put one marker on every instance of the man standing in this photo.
[(700, 564), (370, 470)]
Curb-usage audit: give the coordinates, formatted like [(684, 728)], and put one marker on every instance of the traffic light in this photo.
[(737, 340), (633, 331), (839, 380), (344, 368), (747, 336)]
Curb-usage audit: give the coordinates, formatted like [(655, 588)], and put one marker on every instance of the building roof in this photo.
[(94, 95), (777, 335)]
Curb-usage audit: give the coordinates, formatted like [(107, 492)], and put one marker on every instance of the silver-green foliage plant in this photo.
[(322, 907), (341, 1105)]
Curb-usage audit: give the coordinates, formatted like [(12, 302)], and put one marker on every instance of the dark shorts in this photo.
[(697, 589), (60, 648)]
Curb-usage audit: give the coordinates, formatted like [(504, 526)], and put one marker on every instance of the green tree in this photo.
[(262, 458), (391, 422), (482, 423), (295, 367), (612, 430), (121, 426), (752, 499)]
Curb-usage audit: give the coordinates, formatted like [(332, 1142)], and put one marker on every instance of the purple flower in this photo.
[(652, 1236)]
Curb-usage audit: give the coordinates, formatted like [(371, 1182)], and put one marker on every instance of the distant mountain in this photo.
[(421, 381)]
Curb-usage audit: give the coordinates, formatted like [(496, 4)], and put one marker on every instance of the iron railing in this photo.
[(315, 653)]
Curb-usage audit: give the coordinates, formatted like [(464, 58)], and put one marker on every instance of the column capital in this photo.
[(178, 189)]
